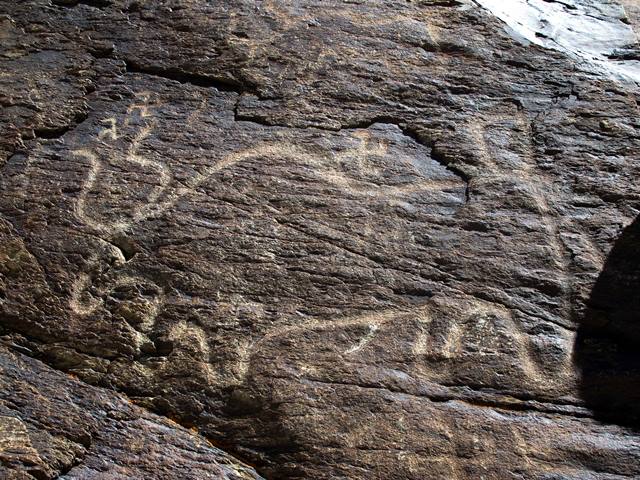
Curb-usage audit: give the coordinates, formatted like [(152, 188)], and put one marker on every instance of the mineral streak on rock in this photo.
[(367, 239)]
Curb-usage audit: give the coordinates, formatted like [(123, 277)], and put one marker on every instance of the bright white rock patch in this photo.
[(589, 30)]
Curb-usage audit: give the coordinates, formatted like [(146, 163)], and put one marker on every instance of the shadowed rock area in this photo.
[(337, 240), (608, 341)]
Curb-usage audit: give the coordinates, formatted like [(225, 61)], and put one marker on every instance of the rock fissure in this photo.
[(183, 76), (513, 404)]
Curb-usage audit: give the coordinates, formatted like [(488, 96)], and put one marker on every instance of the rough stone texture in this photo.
[(363, 239), (54, 426)]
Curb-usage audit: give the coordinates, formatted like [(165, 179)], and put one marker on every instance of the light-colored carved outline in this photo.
[(164, 175), (534, 183), (373, 321)]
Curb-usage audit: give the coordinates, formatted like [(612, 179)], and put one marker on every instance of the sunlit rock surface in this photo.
[(597, 33), (368, 239)]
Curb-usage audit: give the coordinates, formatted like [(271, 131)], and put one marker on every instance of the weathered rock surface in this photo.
[(363, 239), (53, 426)]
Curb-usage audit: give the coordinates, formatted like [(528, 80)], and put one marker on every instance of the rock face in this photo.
[(364, 239), (51, 424)]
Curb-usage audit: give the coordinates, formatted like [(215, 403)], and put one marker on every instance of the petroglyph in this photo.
[(140, 110), (286, 150), (491, 332), (292, 22), (190, 341), (137, 300), (369, 156), (373, 321), (487, 336), (436, 345), (134, 299), (367, 159), (364, 340), (505, 148), (374, 165), (82, 302), (137, 115), (260, 49)]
